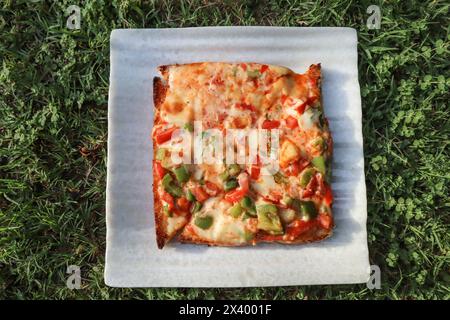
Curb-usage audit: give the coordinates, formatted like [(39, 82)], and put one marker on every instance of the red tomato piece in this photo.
[(183, 204), (200, 194), (235, 195), (310, 101), (293, 169), (291, 122), (299, 227), (222, 117), (159, 170), (165, 135), (270, 124), (244, 66), (302, 108), (255, 171), (238, 193), (218, 81), (264, 68), (311, 187), (167, 198), (212, 188), (302, 163), (245, 106), (308, 193), (274, 198)]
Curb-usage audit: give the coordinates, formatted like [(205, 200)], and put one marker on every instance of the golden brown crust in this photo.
[(164, 71), (195, 240), (315, 71), (161, 235), (313, 235), (159, 93)]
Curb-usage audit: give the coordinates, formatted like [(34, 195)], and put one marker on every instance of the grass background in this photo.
[(53, 130)]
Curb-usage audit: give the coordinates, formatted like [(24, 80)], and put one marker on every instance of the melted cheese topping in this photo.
[(227, 96), (174, 224), (309, 119), (211, 172), (225, 229), (266, 186)]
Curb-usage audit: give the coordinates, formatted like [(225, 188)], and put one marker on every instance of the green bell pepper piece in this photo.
[(204, 222), (287, 200), (319, 164), (190, 196), (196, 207), (234, 169), (308, 209), (160, 154), (166, 180), (306, 177), (189, 127), (318, 143), (248, 204), (230, 184), (248, 236), (236, 210), (174, 190), (268, 219), (279, 178), (170, 187), (253, 73), (267, 208), (246, 215), (166, 210), (223, 176), (182, 174), (296, 204)]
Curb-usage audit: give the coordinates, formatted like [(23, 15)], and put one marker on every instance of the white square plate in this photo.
[(132, 258)]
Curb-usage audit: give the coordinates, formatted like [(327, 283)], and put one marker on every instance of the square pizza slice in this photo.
[(225, 202)]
